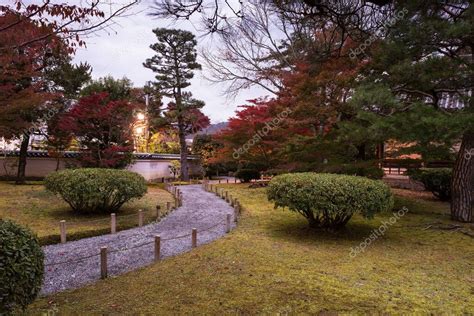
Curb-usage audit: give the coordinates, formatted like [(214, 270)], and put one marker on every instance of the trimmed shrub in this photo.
[(436, 180), (96, 190), (363, 169), (247, 175), (329, 200), (21, 267), (275, 172)]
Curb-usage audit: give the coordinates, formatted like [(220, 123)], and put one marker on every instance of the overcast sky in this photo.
[(121, 53)]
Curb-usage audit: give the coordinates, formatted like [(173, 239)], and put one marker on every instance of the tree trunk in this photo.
[(25, 141), (183, 151), (462, 184), (361, 152)]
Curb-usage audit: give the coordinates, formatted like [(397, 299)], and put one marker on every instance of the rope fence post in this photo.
[(227, 223), (62, 231), (113, 223), (226, 196), (194, 238), (103, 262), (227, 181), (168, 206), (158, 212), (157, 247), (236, 213), (140, 218), (237, 204)]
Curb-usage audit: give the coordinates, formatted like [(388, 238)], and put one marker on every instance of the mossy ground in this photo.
[(31, 205), (272, 263)]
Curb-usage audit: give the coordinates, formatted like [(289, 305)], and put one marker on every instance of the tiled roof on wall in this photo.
[(75, 154)]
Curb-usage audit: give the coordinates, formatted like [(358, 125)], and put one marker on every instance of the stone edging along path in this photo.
[(76, 263)]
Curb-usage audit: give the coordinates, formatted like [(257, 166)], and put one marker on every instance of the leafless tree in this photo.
[(68, 21), (250, 52)]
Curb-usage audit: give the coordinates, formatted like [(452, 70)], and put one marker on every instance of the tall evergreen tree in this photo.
[(426, 63), (174, 64)]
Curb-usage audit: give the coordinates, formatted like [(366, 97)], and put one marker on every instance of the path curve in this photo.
[(200, 210)]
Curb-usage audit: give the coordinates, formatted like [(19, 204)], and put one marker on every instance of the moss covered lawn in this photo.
[(272, 263), (31, 205)]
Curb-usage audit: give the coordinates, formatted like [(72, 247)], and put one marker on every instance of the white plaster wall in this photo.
[(40, 167)]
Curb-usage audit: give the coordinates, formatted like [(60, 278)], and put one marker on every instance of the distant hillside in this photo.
[(211, 129), (214, 128)]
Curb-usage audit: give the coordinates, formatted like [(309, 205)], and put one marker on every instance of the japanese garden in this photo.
[(236, 157)]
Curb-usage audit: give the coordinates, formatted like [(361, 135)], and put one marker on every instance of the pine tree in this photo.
[(174, 64), (426, 62)]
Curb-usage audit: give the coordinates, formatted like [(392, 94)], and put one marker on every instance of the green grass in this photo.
[(272, 263), (31, 205)]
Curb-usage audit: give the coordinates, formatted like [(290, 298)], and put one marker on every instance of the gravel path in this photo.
[(200, 210)]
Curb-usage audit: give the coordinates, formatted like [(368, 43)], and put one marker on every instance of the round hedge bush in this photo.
[(247, 175), (329, 200), (21, 267), (95, 190), (436, 180)]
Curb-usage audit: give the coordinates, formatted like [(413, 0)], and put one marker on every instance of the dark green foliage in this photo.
[(436, 180), (247, 175), (274, 172), (21, 267), (175, 60), (329, 200), (117, 89), (174, 63), (96, 190), (362, 169)]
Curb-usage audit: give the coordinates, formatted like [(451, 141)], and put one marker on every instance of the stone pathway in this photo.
[(77, 263)]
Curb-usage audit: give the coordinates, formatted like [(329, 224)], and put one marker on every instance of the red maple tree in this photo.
[(103, 129)]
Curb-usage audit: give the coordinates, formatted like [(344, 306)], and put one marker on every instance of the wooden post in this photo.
[(158, 212), (231, 200), (157, 247), (103, 262), (235, 180), (227, 181), (240, 207), (219, 181), (227, 223), (113, 223), (194, 238), (62, 230), (140, 218), (236, 213), (226, 196), (168, 206)]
